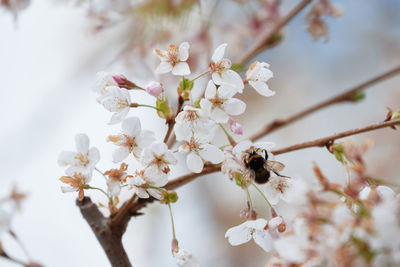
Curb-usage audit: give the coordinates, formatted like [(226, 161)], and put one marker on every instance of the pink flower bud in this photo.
[(174, 246), (123, 82), (235, 127), (154, 88)]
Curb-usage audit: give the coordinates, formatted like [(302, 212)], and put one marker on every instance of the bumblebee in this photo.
[(260, 167)]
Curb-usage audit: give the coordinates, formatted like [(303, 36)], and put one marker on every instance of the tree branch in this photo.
[(268, 37), (109, 237), (344, 97), (326, 140)]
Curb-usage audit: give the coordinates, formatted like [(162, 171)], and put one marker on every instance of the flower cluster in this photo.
[(195, 124)]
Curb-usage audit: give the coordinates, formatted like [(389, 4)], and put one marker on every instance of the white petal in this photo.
[(211, 90), (82, 143), (229, 77), (94, 156), (219, 53), (180, 69), (290, 249), (155, 177), (67, 189), (226, 91), (275, 222), (145, 138), (234, 106), (219, 115), (66, 158), (184, 51), (242, 146), (119, 116), (164, 67), (159, 148), (385, 192), (182, 131), (114, 187), (263, 239), (161, 54), (272, 194), (120, 154), (261, 88), (238, 235), (206, 106), (194, 162), (155, 193), (211, 153), (131, 126), (141, 193)]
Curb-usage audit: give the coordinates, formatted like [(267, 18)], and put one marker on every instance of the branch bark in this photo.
[(347, 96), (267, 37), (109, 237)]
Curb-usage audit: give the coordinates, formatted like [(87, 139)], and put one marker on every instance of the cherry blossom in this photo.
[(174, 59), (143, 181), (116, 178), (257, 76), (104, 80), (117, 100), (193, 120), (219, 104), (221, 72), (252, 229), (132, 140), (158, 158), (184, 258), (83, 160), (200, 150), (246, 146), (154, 88), (235, 127), (77, 183)]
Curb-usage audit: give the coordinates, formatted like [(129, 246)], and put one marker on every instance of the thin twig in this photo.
[(344, 97), (171, 123), (266, 38), (325, 140)]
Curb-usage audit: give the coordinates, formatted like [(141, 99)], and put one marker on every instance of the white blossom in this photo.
[(117, 100), (83, 160), (132, 140), (200, 150), (76, 183), (246, 146), (191, 120), (219, 104), (142, 182), (253, 229), (184, 258), (158, 157), (257, 76), (221, 72), (103, 82), (116, 177), (174, 59)]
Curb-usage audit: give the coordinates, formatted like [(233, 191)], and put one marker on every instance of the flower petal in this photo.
[(234, 106), (219, 53), (82, 143), (184, 51), (238, 235), (211, 90), (242, 146), (119, 116), (263, 239), (194, 162), (66, 158), (120, 154), (219, 115), (131, 126), (261, 88), (180, 69), (211, 153), (164, 67)]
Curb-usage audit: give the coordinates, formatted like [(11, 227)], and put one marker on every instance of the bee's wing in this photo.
[(272, 165), (249, 175)]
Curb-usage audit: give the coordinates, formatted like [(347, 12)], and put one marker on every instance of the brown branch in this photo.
[(326, 140), (171, 123), (347, 96), (109, 236), (268, 37)]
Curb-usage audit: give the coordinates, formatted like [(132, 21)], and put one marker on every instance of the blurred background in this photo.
[(48, 60)]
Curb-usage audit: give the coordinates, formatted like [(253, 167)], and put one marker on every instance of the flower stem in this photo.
[(101, 173), (249, 199), (263, 196), (201, 75), (172, 220), (230, 138), (99, 189), (144, 105)]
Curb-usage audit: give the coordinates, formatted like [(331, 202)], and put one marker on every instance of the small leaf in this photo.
[(238, 178), (338, 151), (358, 96), (238, 67)]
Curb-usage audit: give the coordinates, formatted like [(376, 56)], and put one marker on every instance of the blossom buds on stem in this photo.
[(123, 82)]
